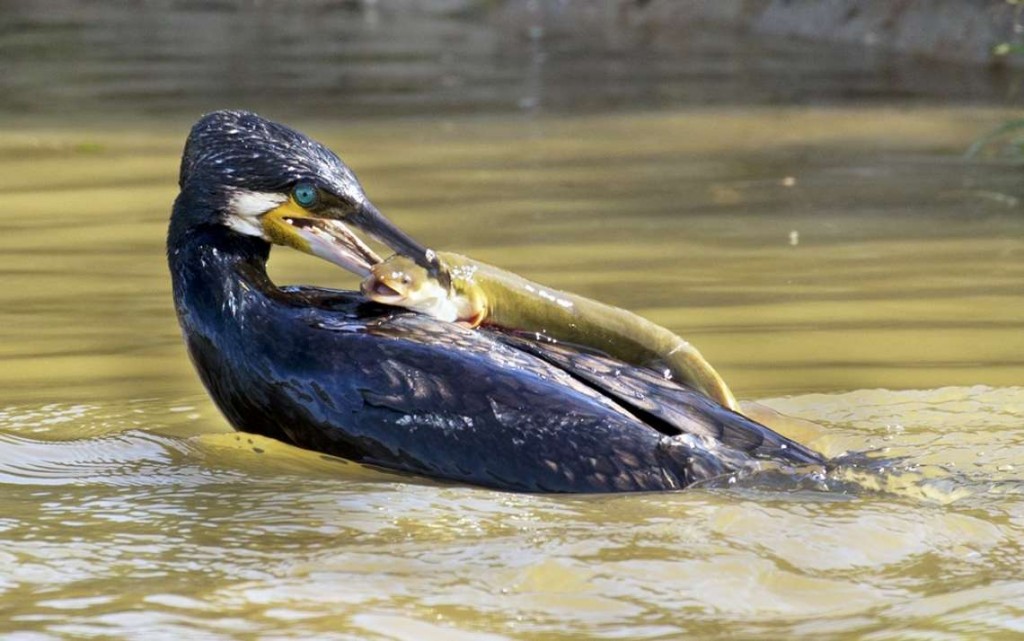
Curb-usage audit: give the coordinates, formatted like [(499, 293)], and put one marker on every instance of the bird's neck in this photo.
[(210, 263)]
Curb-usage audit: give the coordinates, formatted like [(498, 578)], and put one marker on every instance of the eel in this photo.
[(484, 295)]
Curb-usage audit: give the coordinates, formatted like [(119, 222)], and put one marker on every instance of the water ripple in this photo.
[(116, 529)]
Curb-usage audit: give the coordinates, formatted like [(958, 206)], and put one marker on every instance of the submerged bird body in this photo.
[(482, 294), (331, 372)]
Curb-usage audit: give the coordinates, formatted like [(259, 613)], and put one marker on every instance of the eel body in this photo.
[(482, 294)]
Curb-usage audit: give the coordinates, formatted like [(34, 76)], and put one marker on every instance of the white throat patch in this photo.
[(245, 208)]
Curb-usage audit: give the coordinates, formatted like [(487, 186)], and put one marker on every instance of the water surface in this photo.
[(841, 265)]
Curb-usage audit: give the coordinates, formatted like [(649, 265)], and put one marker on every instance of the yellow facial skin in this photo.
[(279, 225), (315, 221), (294, 226)]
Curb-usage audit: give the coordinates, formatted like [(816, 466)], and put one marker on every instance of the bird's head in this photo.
[(267, 180)]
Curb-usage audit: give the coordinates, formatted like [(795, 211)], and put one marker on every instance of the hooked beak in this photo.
[(326, 238), (325, 235), (369, 219)]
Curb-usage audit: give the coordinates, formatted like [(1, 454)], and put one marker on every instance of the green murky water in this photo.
[(844, 266)]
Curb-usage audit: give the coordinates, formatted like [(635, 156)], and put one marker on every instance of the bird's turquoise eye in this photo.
[(305, 194)]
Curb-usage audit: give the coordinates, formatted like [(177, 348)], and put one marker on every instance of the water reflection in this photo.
[(276, 542), (334, 59)]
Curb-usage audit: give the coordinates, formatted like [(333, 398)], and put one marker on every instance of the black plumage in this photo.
[(328, 371)]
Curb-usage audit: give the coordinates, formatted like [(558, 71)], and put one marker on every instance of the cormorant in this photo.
[(329, 371)]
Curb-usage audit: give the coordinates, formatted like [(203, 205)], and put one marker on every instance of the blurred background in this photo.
[(383, 58)]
